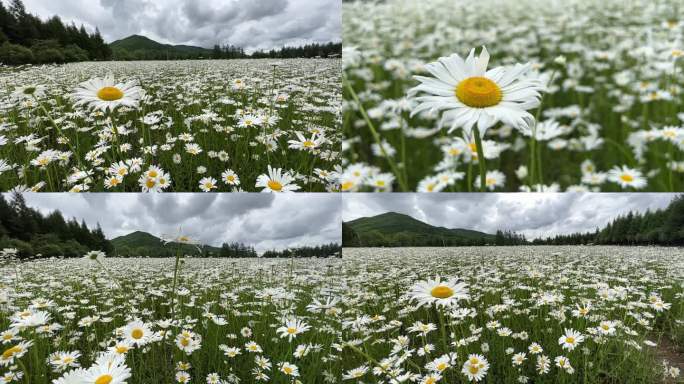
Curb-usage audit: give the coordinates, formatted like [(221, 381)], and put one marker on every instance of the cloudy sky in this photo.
[(535, 215), (251, 24), (265, 220)]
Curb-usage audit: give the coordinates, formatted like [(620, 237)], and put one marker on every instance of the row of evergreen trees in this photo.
[(25, 38), (325, 250), (374, 238), (33, 233), (306, 51), (660, 227), (237, 250)]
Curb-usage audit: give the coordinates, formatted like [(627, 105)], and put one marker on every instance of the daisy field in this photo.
[(205, 126), (579, 95)]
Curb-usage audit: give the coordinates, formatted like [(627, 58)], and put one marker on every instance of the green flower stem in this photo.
[(175, 279), (376, 137), (59, 130), (480, 159)]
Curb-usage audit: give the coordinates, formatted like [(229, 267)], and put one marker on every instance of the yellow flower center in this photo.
[(11, 352), (431, 380), (474, 369), (291, 330), (287, 370), (380, 183), (121, 349), (184, 342), (441, 366), (570, 340), (231, 178), (347, 185), (308, 144), (627, 178), (442, 292), (275, 186), (104, 379), (478, 92), (150, 183), (489, 181), (137, 333), (110, 93)]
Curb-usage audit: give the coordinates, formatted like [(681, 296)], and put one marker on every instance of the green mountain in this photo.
[(140, 243), (138, 45), (395, 229)]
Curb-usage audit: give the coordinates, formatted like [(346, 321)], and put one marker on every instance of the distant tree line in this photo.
[(325, 250), (25, 38), (237, 250), (162, 250), (305, 51), (660, 227), (509, 238), (34, 234), (375, 238)]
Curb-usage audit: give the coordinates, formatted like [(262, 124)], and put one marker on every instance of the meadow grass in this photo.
[(613, 76), (242, 115)]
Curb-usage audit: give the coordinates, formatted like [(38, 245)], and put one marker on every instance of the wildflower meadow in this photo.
[(531, 95)]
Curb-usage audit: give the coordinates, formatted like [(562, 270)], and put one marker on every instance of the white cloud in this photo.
[(534, 215), (252, 24), (265, 220)]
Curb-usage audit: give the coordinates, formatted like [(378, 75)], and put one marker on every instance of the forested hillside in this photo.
[(36, 235), (25, 38)]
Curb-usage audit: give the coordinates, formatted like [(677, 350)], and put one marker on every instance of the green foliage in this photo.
[(349, 237), (138, 243), (47, 52), (24, 249), (308, 51), (397, 230), (13, 54), (73, 52), (326, 250), (33, 233), (50, 41)]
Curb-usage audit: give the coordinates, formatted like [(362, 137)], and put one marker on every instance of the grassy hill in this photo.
[(395, 229), (135, 44), (140, 243)]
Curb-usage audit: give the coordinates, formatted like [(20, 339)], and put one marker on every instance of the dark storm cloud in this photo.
[(266, 220), (252, 24), (535, 215)]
